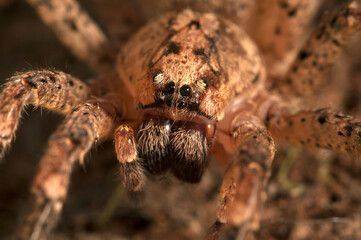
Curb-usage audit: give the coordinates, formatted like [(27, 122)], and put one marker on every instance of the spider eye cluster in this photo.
[(185, 90), (170, 88), (189, 96)]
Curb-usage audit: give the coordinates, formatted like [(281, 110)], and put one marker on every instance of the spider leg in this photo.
[(130, 168), (77, 31), (320, 51), (243, 188), (73, 139), (54, 90), (317, 128), (278, 28)]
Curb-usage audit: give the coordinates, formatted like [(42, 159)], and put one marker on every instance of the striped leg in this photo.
[(54, 90), (320, 51), (317, 128), (73, 139), (243, 188), (76, 30)]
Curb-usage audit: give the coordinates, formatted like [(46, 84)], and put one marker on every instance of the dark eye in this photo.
[(185, 90), (170, 87), (169, 103), (181, 105)]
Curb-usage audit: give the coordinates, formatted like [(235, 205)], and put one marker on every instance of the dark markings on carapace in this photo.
[(322, 119), (52, 78), (71, 83), (340, 116), (278, 30), (336, 42), (321, 110), (172, 48), (255, 79), (349, 129), (71, 24), (292, 12), (164, 43), (29, 82), (213, 50), (194, 23), (321, 32), (199, 52), (303, 55), (19, 95), (167, 39), (42, 80), (333, 21), (283, 4)]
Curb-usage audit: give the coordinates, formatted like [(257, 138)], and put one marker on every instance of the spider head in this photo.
[(185, 68), (180, 102), (177, 128)]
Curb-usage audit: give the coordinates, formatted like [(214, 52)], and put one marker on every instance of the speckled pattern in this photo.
[(319, 126)]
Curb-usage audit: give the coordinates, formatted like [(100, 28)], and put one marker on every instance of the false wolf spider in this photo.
[(186, 86)]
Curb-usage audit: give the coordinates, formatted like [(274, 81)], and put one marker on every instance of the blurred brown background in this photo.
[(312, 194)]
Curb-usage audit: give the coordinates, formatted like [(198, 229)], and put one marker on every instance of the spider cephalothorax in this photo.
[(188, 61), (186, 86)]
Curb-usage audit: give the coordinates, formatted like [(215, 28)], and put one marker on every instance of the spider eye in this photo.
[(185, 90), (205, 84), (201, 85), (159, 79), (181, 105), (170, 88), (169, 103)]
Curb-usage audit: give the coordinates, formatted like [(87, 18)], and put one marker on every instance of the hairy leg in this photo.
[(243, 188), (320, 51), (54, 90), (77, 31), (316, 128), (279, 27), (130, 168), (85, 125)]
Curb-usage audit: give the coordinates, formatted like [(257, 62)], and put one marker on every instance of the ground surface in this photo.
[(312, 194)]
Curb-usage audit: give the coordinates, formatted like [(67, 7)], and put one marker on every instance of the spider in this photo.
[(186, 86)]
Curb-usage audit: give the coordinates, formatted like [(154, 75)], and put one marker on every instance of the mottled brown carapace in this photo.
[(188, 85), (195, 63)]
